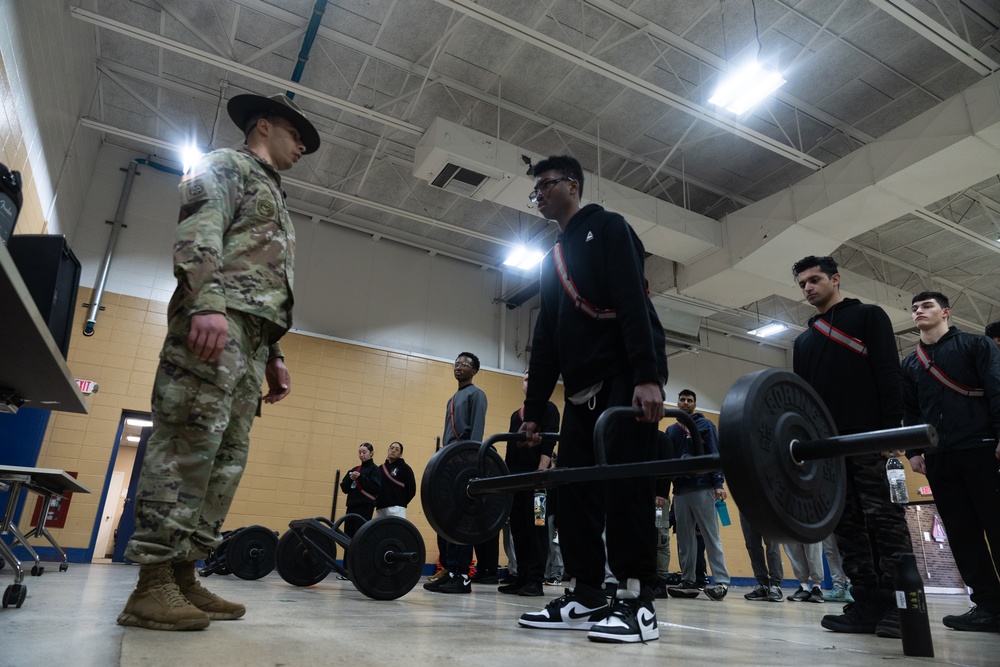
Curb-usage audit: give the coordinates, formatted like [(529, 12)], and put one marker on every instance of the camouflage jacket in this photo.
[(235, 243)]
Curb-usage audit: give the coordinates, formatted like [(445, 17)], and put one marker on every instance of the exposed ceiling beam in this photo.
[(624, 78), (700, 53), (239, 68), (459, 86), (312, 187), (937, 34)]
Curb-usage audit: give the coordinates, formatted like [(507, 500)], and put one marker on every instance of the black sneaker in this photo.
[(509, 579), (774, 594), (512, 588), (974, 620), (632, 618), (717, 592), (815, 595), (554, 581), (800, 595), (456, 584), (758, 594), (660, 589), (485, 579), (852, 621), (686, 589), (888, 625), (531, 590), (572, 611)]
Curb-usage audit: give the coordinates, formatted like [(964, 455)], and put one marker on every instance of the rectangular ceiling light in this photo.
[(768, 330), (523, 258), (743, 89), (132, 421), (132, 438)]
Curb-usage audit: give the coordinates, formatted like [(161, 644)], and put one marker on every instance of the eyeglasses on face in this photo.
[(463, 364), (544, 186)]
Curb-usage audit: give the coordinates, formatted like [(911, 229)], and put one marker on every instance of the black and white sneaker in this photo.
[(578, 609), (685, 589), (632, 618)]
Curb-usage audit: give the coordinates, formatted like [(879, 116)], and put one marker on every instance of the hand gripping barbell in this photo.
[(778, 448)]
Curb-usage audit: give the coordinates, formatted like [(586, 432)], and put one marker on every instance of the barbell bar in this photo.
[(778, 449)]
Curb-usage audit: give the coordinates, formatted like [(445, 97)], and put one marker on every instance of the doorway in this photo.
[(124, 460)]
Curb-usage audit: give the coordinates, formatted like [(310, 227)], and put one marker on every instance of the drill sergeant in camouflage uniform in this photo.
[(233, 258)]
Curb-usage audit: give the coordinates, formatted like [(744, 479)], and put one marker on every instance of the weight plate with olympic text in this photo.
[(785, 501)]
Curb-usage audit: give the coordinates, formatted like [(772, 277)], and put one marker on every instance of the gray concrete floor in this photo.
[(68, 618)]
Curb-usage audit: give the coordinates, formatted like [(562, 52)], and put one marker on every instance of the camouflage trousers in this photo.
[(196, 454), (872, 527)]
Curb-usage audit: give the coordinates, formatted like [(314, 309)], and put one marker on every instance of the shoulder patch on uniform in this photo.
[(590, 237), (197, 185), (265, 207)]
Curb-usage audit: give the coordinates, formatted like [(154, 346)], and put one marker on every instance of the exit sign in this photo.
[(88, 387), (925, 491)]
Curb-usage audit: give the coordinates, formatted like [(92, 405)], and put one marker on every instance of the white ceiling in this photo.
[(621, 84)]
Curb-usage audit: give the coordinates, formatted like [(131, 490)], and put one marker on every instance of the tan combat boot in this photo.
[(202, 598), (157, 603)]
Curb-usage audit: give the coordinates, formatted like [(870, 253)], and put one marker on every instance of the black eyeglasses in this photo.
[(544, 187)]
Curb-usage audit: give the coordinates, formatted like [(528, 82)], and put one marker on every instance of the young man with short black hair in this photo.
[(464, 419), (993, 332), (848, 354), (694, 506), (952, 380), (597, 328)]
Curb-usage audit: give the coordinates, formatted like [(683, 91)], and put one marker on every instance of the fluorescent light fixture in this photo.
[(190, 156), (745, 88), (132, 438), (523, 258), (132, 421), (767, 330)]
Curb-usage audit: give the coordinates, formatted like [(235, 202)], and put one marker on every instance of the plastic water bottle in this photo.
[(540, 507), (897, 480), (660, 519)]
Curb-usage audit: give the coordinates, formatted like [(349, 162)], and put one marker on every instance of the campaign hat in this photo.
[(242, 107)]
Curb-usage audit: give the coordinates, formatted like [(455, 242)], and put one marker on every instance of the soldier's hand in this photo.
[(649, 397), (279, 380), (207, 337), (918, 464)]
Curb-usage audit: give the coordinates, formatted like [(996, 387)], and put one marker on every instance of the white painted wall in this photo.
[(49, 59)]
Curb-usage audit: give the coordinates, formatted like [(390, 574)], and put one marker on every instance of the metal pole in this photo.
[(102, 272)]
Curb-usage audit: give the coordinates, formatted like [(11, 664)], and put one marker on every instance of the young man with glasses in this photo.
[(464, 419), (597, 328)]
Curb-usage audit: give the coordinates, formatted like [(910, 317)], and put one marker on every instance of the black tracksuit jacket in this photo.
[(863, 393), (962, 422), (605, 259)]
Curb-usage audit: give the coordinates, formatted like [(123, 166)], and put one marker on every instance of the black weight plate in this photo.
[(449, 509), (785, 501), (250, 554), (297, 563), (372, 573)]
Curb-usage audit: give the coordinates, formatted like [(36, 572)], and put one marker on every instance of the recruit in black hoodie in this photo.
[(604, 257), (863, 393)]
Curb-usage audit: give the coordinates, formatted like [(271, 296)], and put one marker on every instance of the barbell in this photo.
[(384, 560), (247, 552), (778, 449)]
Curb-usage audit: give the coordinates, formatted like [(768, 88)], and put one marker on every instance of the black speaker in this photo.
[(10, 201), (52, 274)]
